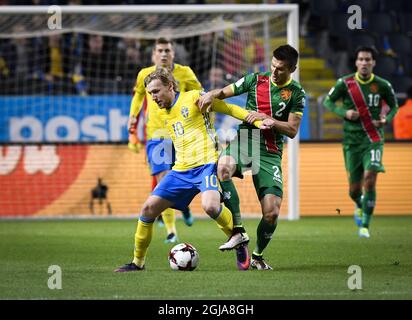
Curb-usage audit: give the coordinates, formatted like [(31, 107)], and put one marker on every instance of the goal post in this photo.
[(189, 25)]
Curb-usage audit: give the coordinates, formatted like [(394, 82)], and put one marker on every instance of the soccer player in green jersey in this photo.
[(362, 94), (270, 95)]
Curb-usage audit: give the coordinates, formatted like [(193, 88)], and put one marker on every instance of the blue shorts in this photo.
[(160, 154), (180, 187)]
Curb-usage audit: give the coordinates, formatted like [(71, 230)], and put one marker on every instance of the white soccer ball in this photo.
[(183, 257)]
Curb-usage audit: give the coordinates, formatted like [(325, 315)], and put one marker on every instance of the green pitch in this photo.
[(310, 257)]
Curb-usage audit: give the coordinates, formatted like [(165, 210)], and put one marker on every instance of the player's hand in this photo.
[(205, 102), (132, 124), (253, 116), (267, 123), (134, 144), (135, 147), (379, 123), (352, 115)]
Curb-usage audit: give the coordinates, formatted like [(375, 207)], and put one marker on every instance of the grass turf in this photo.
[(310, 257)]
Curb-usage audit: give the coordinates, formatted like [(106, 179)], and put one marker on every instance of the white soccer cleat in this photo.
[(259, 264), (234, 241), (364, 233)]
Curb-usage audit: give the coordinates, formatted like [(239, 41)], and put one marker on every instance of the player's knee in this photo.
[(148, 209), (223, 172), (355, 190), (370, 187), (212, 209), (271, 216), (355, 194), (370, 182)]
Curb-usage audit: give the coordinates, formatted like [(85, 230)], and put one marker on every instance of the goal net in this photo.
[(67, 74)]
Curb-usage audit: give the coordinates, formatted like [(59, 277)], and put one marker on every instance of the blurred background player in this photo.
[(270, 94), (362, 94), (99, 194), (159, 146), (193, 172)]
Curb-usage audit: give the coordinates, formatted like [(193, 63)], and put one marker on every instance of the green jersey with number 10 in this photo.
[(367, 98)]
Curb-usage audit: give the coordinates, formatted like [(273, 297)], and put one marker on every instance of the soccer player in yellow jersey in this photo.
[(159, 147), (195, 168)]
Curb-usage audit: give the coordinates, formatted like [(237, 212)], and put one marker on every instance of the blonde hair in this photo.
[(165, 77)]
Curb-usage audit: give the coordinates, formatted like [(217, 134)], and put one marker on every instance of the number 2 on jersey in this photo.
[(282, 106)]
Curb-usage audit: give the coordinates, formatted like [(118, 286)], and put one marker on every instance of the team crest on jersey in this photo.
[(285, 94), (374, 88), (185, 112)]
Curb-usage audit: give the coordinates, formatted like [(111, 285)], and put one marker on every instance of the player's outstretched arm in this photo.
[(253, 115), (205, 102), (289, 128), (234, 111)]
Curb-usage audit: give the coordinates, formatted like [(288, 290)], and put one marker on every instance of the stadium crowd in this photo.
[(94, 64)]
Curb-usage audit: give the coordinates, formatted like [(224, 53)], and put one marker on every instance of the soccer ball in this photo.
[(183, 257)]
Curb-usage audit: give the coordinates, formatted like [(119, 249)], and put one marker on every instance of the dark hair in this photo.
[(164, 76), (372, 50), (287, 53), (163, 40)]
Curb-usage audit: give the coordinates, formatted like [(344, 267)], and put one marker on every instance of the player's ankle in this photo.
[(239, 229)]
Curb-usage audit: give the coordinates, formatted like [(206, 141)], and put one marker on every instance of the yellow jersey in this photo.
[(186, 80), (193, 133)]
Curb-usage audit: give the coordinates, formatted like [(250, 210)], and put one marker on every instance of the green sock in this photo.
[(231, 200), (357, 199), (368, 205), (264, 234)]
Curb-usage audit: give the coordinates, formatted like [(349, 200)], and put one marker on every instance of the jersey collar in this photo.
[(358, 78), (283, 85), (175, 100)]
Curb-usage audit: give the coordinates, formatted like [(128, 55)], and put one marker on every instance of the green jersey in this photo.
[(266, 97), (367, 98)]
